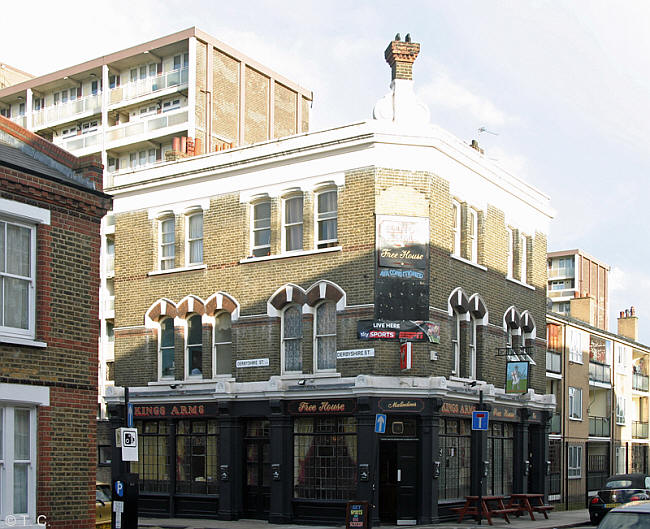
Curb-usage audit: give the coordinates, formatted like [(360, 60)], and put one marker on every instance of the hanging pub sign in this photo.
[(402, 278), (415, 331), (517, 377)]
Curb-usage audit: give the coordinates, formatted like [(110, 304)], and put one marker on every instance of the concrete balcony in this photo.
[(140, 130), (109, 265), (564, 293), (20, 120), (109, 307), (82, 144), (143, 87), (62, 113), (560, 273)]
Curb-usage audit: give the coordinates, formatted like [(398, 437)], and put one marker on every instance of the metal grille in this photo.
[(197, 444), (153, 456), (500, 453), (455, 443)]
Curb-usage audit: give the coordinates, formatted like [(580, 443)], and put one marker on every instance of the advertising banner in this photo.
[(414, 331)]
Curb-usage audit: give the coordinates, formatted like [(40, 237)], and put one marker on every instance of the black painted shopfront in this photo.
[(301, 460)]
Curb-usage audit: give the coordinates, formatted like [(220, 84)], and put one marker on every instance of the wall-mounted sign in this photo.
[(517, 377), (354, 353), (402, 279), (457, 408), (148, 411), (254, 362), (401, 405), (320, 407), (414, 331), (504, 413), (405, 355)]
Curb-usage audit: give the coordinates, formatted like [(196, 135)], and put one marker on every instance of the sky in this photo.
[(561, 88)]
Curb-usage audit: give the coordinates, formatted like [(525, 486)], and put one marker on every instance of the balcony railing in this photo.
[(556, 423), (155, 122), (600, 373), (83, 105), (560, 272), (599, 426), (110, 304), (639, 430), (149, 85), (553, 362), (109, 266), (20, 120), (80, 142), (565, 292), (640, 382)]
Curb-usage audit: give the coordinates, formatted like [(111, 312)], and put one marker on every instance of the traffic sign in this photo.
[(129, 415), (380, 423), (119, 488), (480, 420)]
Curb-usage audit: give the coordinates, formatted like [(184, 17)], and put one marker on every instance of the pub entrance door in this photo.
[(398, 481), (257, 469)]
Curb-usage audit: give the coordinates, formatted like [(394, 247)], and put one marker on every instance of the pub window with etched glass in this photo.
[(152, 465), (197, 446), (455, 443), (500, 454), (325, 458)]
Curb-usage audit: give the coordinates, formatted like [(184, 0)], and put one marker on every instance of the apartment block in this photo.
[(273, 300), (576, 274), (10, 75), (51, 206)]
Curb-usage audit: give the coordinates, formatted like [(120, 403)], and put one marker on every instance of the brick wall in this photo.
[(285, 108), (256, 107), (225, 107)]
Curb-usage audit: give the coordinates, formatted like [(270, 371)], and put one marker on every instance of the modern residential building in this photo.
[(600, 380), (576, 274), (277, 304), (10, 75), (51, 206), (179, 95)]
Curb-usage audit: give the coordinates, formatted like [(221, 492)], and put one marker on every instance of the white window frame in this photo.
[(575, 462), (162, 259), (216, 344), (288, 225), (575, 403), (473, 336), (255, 229), (455, 227), (455, 342), (324, 217), (472, 233), (317, 337), (510, 253), (283, 340), (620, 409), (186, 362), (29, 217), (523, 261), (575, 347), (190, 240), (160, 351), (8, 462)]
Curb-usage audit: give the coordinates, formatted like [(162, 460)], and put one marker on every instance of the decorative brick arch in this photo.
[(478, 309), (220, 301), (160, 309), (286, 294), (458, 301), (511, 318), (326, 290), (528, 324), (190, 305)]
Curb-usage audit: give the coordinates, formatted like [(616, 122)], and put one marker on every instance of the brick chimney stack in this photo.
[(628, 324), (400, 55)]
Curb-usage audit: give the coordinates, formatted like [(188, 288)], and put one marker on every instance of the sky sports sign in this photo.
[(400, 330)]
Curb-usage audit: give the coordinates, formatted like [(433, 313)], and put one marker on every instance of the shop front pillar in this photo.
[(539, 455), (521, 463), (229, 470), (367, 455), (436, 459), (281, 447), (428, 502), (479, 456)]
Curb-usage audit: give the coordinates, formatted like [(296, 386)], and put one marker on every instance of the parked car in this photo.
[(633, 515), (104, 506), (619, 489)]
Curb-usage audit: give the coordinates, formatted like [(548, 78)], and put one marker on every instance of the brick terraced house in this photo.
[(277, 303), (51, 206)]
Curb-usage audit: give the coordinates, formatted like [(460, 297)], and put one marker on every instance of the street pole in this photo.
[(480, 480)]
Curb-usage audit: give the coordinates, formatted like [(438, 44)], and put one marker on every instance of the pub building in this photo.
[(359, 293)]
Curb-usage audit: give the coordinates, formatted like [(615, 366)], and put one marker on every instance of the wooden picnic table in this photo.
[(529, 503), (490, 506)]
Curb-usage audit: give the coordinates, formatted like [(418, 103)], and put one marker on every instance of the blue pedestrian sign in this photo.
[(380, 423), (119, 488), (480, 420), (129, 415)]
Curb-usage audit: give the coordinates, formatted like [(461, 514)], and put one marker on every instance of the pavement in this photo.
[(557, 520)]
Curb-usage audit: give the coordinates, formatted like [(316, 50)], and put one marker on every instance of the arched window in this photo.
[(470, 369), (194, 238), (292, 339), (222, 344), (194, 346), (166, 348), (325, 336), (455, 342)]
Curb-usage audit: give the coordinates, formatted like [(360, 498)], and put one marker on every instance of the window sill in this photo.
[(467, 261), (463, 380), (575, 419), (521, 283), (574, 361), (175, 270), (290, 254), (22, 341)]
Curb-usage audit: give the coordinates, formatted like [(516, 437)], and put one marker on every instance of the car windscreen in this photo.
[(619, 484), (626, 520)]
